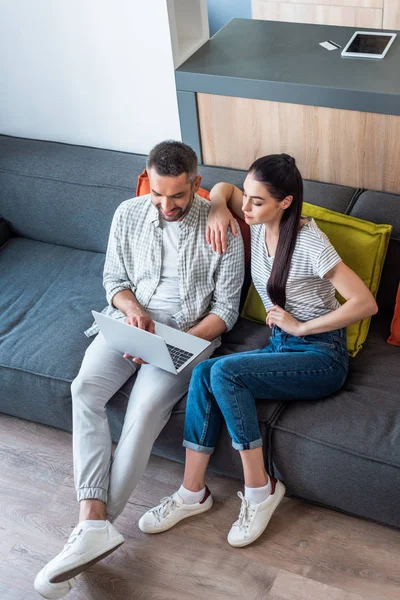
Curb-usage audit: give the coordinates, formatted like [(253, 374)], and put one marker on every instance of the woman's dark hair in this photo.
[(280, 175)]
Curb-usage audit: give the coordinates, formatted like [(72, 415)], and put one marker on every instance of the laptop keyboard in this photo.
[(179, 356)]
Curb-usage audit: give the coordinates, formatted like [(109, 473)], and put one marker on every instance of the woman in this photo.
[(296, 272)]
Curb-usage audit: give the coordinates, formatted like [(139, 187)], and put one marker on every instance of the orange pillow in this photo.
[(394, 337), (143, 188)]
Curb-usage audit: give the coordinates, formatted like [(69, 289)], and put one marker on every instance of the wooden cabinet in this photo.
[(322, 139), (391, 14), (353, 13)]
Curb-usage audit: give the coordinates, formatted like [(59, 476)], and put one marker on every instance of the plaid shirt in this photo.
[(209, 282)]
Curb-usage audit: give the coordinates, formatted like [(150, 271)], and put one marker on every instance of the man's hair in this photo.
[(172, 158)]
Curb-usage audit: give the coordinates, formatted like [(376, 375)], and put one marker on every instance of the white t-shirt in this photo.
[(308, 294), (166, 298)]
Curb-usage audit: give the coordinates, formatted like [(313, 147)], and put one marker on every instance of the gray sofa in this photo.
[(57, 203)]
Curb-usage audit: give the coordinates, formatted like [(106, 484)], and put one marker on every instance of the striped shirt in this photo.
[(208, 282), (308, 294)]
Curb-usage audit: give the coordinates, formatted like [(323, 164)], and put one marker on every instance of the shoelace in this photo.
[(245, 515), (167, 505)]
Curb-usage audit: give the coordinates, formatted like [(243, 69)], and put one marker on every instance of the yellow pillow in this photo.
[(361, 245)]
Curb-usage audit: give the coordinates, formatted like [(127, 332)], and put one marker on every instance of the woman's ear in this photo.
[(286, 202)]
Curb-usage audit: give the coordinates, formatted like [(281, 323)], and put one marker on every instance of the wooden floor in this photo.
[(307, 553)]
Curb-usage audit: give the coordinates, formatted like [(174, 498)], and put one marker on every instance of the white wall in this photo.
[(91, 72)]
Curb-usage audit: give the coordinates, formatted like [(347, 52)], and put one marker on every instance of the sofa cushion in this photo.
[(51, 192), (47, 294), (380, 207), (316, 443), (370, 393), (66, 162), (64, 194)]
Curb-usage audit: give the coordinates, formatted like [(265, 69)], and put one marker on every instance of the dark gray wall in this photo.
[(220, 12)]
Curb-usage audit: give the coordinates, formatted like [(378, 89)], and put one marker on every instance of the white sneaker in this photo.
[(253, 517), (52, 591), (85, 547), (172, 510)]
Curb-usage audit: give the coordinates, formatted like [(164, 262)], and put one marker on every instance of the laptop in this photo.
[(167, 348)]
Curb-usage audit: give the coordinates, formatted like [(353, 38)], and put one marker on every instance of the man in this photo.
[(158, 268)]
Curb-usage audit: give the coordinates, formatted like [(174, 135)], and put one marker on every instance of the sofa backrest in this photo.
[(64, 194), (67, 195), (334, 197), (380, 207)]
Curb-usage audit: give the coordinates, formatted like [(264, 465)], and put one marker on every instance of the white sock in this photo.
[(97, 524), (259, 494), (191, 497)]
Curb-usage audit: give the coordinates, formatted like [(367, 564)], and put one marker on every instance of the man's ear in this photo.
[(286, 202), (196, 184)]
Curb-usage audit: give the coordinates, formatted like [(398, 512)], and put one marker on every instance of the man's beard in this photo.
[(179, 212), (176, 216)]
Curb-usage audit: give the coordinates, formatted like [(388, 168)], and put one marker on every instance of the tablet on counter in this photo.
[(368, 44)]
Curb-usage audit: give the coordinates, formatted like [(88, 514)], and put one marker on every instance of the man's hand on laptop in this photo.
[(142, 320)]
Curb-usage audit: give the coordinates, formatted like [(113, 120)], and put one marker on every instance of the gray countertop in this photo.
[(271, 60)]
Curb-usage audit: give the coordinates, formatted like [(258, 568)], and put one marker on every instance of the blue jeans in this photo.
[(289, 368)]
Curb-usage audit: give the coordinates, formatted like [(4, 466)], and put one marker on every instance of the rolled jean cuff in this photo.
[(249, 445), (197, 447), (92, 493)]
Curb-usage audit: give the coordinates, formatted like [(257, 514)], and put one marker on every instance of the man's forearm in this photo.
[(209, 328), (126, 302)]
